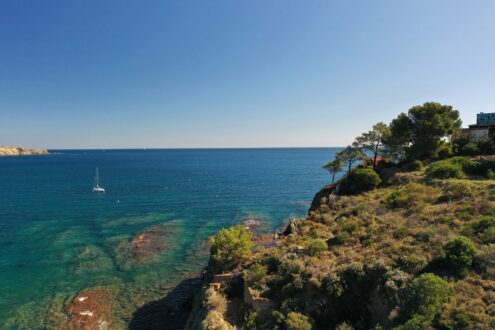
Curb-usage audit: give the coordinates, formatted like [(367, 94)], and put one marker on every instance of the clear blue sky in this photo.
[(155, 73)]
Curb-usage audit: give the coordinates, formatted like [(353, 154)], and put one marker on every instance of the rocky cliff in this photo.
[(369, 261), (20, 151)]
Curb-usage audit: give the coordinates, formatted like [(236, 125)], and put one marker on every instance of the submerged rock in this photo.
[(90, 309), (92, 259), (145, 246)]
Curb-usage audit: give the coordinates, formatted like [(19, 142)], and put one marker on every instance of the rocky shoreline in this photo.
[(21, 151)]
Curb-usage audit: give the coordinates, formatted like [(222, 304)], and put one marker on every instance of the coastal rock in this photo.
[(20, 151), (90, 309), (323, 194), (253, 223), (265, 240), (291, 228)]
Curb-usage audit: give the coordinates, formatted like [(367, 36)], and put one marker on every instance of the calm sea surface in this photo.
[(58, 237)]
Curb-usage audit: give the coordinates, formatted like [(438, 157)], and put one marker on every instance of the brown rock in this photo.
[(253, 223), (91, 309), (145, 246)]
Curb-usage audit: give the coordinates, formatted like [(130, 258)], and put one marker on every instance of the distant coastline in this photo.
[(21, 151)]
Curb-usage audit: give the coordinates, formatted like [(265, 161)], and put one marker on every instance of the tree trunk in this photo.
[(376, 154), (333, 177)]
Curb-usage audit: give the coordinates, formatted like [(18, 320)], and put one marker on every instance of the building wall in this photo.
[(478, 133), (485, 119)]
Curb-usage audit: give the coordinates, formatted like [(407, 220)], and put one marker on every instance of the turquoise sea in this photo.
[(57, 237)]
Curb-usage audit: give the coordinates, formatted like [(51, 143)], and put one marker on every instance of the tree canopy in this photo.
[(230, 246), (424, 300), (373, 140), (350, 155), (425, 130), (334, 167)]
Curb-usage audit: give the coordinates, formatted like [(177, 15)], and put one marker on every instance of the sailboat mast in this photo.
[(97, 178)]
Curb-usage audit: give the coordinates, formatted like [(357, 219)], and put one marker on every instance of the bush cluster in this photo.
[(459, 253), (444, 169), (360, 180), (297, 321), (230, 246), (415, 165), (483, 228), (317, 246), (456, 167), (424, 299)]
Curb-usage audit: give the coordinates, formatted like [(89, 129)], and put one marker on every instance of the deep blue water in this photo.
[(49, 215)]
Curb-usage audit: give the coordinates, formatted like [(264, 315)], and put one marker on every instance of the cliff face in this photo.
[(322, 196), (20, 151)]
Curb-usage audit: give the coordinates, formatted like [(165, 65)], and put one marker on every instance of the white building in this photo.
[(485, 124)]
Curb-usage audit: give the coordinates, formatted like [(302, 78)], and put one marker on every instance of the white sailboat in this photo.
[(97, 187)]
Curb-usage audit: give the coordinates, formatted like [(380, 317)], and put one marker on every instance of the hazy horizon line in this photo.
[(192, 148)]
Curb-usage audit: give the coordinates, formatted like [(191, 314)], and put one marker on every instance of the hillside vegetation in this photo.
[(407, 243)]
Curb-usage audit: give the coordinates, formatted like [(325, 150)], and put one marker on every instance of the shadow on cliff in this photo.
[(170, 312)]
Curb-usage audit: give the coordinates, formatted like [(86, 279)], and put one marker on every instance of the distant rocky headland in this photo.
[(20, 151)]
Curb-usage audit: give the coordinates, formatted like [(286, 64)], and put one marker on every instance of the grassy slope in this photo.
[(378, 242)]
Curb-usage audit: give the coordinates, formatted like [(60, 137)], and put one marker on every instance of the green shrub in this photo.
[(255, 274), (488, 236), (483, 224), (398, 198), (462, 320), (291, 264), (297, 321), (415, 165), (350, 226), (424, 236), (341, 238), (445, 151), (472, 167), (444, 169), (483, 227), (486, 258), (470, 149), (481, 168), (411, 263), (417, 322), (230, 246), (459, 253), (250, 320), (314, 232), (424, 299), (317, 246), (457, 191), (490, 174), (359, 180), (401, 233), (464, 215)]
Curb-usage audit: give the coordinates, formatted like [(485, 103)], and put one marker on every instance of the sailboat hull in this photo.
[(97, 187)]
